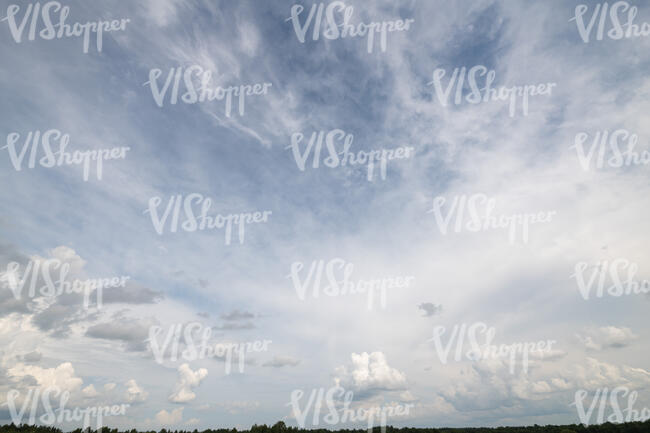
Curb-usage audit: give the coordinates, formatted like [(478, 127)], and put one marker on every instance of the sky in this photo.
[(290, 227)]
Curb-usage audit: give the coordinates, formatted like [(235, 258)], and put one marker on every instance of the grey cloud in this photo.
[(237, 315), (34, 356), (235, 326), (9, 304), (281, 361), (58, 318), (133, 333), (430, 309), (607, 337), (131, 294)]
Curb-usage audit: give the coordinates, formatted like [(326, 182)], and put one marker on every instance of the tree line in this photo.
[(281, 427)]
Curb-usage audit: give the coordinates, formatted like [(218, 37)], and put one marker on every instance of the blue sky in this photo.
[(383, 227)]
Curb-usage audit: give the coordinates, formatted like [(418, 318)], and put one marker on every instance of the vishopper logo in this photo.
[(338, 403), (486, 350), (487, 93), (337, 24), (617, 157), (617, 415), (338, 273), (619, 273), (59, 414), (54, 273), (51, 158), (50, 30), (191, 223), (344, 157), (480, 216), (617, 30), (169, 346), (204, 91)]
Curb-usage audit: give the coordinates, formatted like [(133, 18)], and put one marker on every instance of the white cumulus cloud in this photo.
[(369, 373), (187, 379)]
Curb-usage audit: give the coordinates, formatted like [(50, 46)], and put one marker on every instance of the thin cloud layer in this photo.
[(323, 201)]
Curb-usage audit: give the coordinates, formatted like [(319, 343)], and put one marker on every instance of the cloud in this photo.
[(31, 357), (58, 318), (370, 373), (187, 380), (192, 421), (131, 294), (550, 355), (53, 315), (90, 391), (237, 320), (281, 361), (249, 38), (237, 315), (488, 385), (383, 100), (62, 376), (68, 255), (135, 393), (235, 326), (132, 332), (430, 309), (607, 337), (594, 374), (407, 396), (161, 12), (9, 304), (170, 418)]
